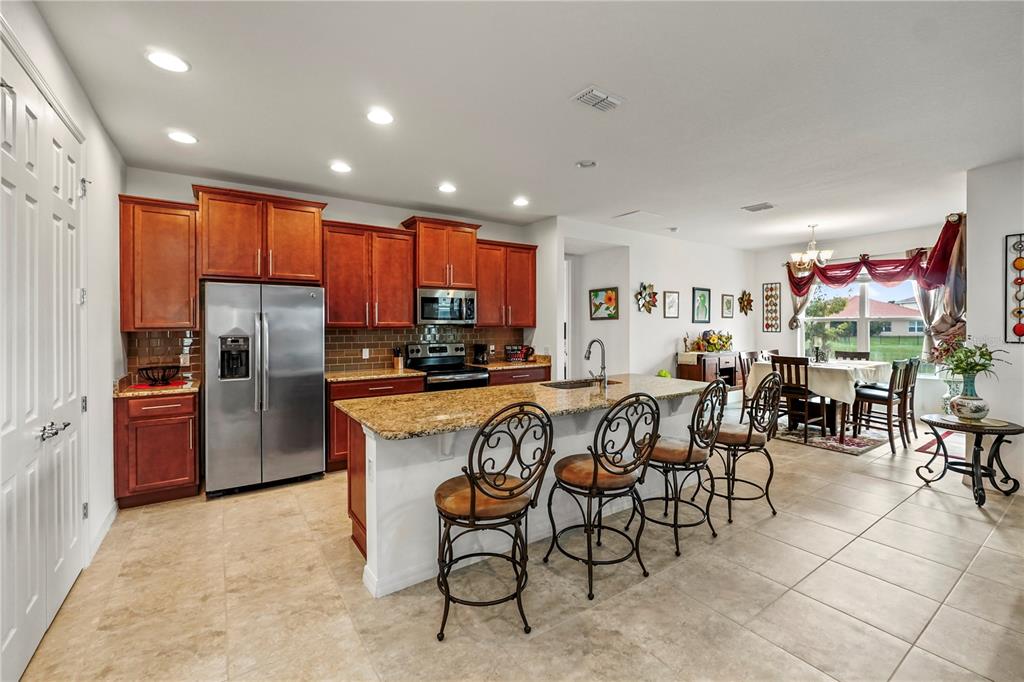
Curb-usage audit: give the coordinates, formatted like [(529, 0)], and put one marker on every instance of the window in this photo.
[(865, 316)]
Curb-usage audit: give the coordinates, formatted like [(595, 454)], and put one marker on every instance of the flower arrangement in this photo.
[(945, 348), (967, 360), (710, 341)]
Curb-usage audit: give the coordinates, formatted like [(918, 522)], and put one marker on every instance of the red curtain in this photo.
[(930, 274)]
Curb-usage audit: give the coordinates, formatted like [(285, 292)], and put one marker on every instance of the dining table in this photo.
[(833, 379)]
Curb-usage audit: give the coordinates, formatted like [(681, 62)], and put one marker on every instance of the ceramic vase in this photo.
[(953, 388), (968, 405)]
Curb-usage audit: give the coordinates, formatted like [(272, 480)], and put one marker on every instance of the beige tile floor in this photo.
[(861, 576)]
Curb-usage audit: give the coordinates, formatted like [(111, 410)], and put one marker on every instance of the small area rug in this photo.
[(868, 439), (955, 445)]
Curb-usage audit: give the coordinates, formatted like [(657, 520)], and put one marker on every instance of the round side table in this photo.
[(991, 470)]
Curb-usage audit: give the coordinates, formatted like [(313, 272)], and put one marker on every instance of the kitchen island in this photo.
[(411, 443)]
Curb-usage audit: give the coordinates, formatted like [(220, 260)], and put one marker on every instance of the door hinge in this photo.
[(83, 295), (84, 183), (85, 510), (85, 403)]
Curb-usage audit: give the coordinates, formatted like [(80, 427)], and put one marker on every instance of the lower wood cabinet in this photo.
[(519, 376), (155, 449), (347, 443), (711, 366)]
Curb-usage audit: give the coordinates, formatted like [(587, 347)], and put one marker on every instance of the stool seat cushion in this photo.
[(578, 471), (453, 498), (676, 451), (736, 434)]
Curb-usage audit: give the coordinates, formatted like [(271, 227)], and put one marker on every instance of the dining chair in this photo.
[(508, 458), (794, 371), (613, 467), (852, 355), (767, 354), (909, 415), (746, 360), (893, 397)]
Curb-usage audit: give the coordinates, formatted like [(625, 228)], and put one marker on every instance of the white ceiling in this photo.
[(861, 117)]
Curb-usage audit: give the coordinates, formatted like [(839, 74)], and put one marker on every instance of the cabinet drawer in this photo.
[(163, 406), (727, 361), (345, 390), (519, 376)]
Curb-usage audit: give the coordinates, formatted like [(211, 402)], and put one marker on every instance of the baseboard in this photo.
[(101, 533)]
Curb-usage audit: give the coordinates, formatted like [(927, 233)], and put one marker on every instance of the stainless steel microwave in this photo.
[(445, 306)]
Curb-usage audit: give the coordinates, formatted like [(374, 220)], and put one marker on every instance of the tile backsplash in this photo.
[(343, 347), (143, 349)]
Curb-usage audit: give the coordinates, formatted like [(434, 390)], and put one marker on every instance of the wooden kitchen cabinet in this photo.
[(526, 375), (368, 276), (445, 253), (347, 443), (158, 264), (253, 236), (507, 284), (155, 449)]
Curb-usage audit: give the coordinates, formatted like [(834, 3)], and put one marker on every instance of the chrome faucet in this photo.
[(603, 376)]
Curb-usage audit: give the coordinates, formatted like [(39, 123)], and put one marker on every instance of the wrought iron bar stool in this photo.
[(508, 458), (612, 469), (739, 440), (688, 456)]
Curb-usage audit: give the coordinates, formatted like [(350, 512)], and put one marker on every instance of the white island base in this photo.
[(401, 475)]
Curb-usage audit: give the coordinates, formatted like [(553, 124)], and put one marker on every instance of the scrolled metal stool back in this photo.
[(626, 435), (707, 415), (764, 405), (510, 453)]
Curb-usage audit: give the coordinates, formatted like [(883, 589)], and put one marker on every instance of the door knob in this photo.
[(49, 431)]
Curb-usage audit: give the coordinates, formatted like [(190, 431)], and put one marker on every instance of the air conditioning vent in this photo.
[(754, 208), (597, 98)]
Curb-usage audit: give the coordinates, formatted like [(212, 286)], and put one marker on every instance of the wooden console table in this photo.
[(711, 366)]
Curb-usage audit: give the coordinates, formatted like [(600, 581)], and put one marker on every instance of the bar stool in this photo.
[(687, 456), (507, 460), (739, 441), (612, 469)]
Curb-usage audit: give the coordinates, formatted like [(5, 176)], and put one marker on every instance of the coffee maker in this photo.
[(480, 354)]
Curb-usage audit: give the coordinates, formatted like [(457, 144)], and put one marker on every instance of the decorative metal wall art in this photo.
[(1013, 298), (771, 304), (646, 298), (746, 302)]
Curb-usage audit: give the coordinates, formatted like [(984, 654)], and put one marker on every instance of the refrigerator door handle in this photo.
[(265, 352), (258, 353)]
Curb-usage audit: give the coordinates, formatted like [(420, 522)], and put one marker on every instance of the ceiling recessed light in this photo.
[(380, 116), (586, 163), (182, 137), (340, 167), (673, 229), (520, 201), (167, 61), (446, 187)]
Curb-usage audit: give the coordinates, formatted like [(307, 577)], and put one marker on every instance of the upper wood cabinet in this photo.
[(445, 253), (506, 294), (368, 276), (158, 264), (247, 235)]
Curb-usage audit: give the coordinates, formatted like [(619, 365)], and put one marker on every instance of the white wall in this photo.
[(104, 167), (995, 208), (177, 187), (600, 269)]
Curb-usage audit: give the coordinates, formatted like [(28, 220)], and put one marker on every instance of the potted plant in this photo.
[(968, 361)]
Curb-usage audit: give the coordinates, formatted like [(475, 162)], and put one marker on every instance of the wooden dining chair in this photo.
[(746, 360), (852, 355), (909, 413), (767, 354), (795, 390), (893, 398)]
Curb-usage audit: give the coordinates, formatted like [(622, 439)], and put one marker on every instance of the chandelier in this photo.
[(812, 256)]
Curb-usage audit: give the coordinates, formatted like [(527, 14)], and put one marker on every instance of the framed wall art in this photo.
[(728, 306), (1013, 298), (771, 304), (604, 303), (671, 307), (701, 300)]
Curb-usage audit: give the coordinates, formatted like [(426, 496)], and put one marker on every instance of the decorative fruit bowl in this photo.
[(159, 375)]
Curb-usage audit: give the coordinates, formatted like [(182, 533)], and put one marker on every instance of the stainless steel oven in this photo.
[(445, 306)]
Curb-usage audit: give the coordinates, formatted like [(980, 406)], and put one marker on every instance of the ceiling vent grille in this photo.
[(596, 98), (754, 208)]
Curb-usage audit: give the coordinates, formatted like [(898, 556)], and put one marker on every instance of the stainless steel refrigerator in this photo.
[(263, 383)]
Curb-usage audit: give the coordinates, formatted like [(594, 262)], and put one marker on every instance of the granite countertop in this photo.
[(191, 386), (424, 414), (499, 365), (367, 374)]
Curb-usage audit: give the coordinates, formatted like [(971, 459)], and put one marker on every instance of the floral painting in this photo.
[(604, 304), (728, 304)]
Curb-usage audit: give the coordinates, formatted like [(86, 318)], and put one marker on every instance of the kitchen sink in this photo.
[(577, 383)]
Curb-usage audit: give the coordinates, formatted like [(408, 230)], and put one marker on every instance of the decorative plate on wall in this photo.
[(1013, 299), (646, 298), (771, 294)]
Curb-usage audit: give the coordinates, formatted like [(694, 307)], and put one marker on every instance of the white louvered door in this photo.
[(40, 374)]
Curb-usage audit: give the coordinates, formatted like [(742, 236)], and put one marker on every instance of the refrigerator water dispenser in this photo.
[(234, 357)]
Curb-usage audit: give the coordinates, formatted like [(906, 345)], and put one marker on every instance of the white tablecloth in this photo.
[(835, 379)]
